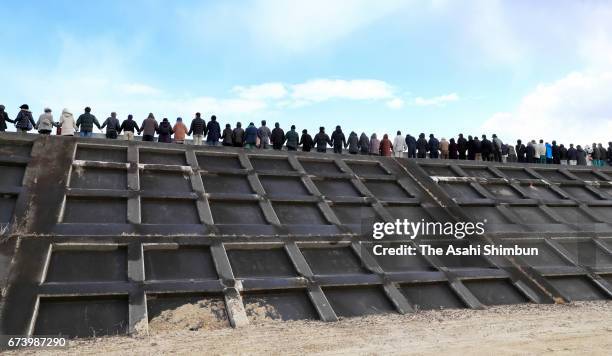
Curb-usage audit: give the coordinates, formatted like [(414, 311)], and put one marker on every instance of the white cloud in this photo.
[(261, 91), (318, 90), (436, 101), (396, 103), (576, 108), (138, 89)]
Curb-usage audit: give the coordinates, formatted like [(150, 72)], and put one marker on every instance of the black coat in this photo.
[(277, 138), (364, 143), (3, 120), (129, 125), (321, 140), (530, 153), (411, 143), (453, 150), (22, 119), (165, 132), (213, 131), (422, 145), (571, 154), (238, 136), (486, 147), (338, 139), (462, 146), (198, 127), (306, 142)]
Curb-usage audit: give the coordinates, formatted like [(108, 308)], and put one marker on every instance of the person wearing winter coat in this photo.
[(563, 155), (581, 156), (433, 147), (306, 141), (497, 146), (556, 153), (444, 148), (165, 131), (486, 148), (226, 137), (45, 123), (86, 122), (180, 131), (572, 155), (385, 147), (530, 152), (112, 126), (238, 135), (411, 144), (602, 155), (67, 123), (511, 154), (293, 139), (520, 151), (277, 138), (453, 149), (197, 128), (353, 143), (504, 152), (263, 132), (250, 136), (24, 121), (399, 144), (4, 118), (129, 127), (422, 146), (149, 128), (549, 156), (321, 140), (364, 144), (462, 146), (213, 132), (541, 152), (374, 145), (470, 148), (477, 147), (595, 155), (338, 140)]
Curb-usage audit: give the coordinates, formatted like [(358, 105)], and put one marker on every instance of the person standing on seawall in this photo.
[(364, 144), (86, 123), (238, 135), (67, 123), (128, 127), (264, 133), (444, 144), (226, 137), (306, 141), (149, 128), (250, 136), (24, 121), (213, 132), (45, 122), (385, 147), (399, 145), (321, 140), (112, 126), (338, 140), (277, 137), (198, 128), (293, 139), (180, 131), (353, 143), (374, 145), (165, 131), (4, 118)]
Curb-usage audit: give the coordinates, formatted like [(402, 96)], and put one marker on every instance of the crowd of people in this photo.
[(470, 148)]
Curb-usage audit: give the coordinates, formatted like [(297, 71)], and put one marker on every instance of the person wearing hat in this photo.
[(67, 123), (45, 122), (226, 137), (24, 121), (180, 131), (4, 118)]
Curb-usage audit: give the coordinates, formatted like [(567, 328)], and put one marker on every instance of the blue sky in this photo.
[(518, 68)]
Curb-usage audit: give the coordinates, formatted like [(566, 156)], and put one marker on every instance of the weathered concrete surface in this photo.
[(98, 228)]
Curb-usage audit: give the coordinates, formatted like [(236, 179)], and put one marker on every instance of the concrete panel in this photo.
[(12, 175), (576, 288), (336, 188), (503, 191), (386, 190), (358, 301), (587, 253), (318, 167), (7, 207), (495, 292), (237, 212), (271, 164), (218, 162), (169, 211), (285, 305), (427, 296), (541, 192), (184, 263), (410, 212), (283, 186), (552, 175), (164, 181), (175, 158), (335, 260), (299, 214), (572, 215), (586, 175), (531, 215), (546, 257), (480, 172), (82, 316), (363, 168), (440, 171), (98, 178), (224, 183), (78, 265), (17, 149), (101, 154), (461, 191), (516, 173), (488, 213), (95, 211), (580, 193), (255, 263), (355, 214)]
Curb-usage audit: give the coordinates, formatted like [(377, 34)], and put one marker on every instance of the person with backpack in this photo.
[(180, 131), (198, 128), (165, 131), (293, 139), (226, 137), (24, 121), (86, 123), (112, 126), (128, 127), (306, 141), (45, 123), (238, 135), (4, 118)]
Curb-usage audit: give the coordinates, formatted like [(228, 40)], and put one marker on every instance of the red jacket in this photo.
[(385, 146)]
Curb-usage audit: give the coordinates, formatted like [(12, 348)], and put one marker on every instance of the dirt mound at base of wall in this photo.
[(206, 314)]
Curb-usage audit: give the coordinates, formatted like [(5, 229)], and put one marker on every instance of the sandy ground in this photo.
[(578, 328)]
